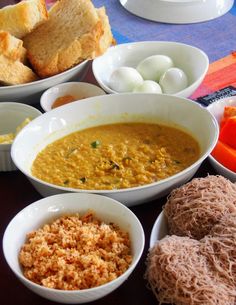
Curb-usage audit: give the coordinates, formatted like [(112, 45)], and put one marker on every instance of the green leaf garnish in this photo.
[(95, 144)]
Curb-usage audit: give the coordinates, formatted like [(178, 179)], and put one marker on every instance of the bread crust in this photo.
[(21, 18), (15, 72), (106, 39), (12, 47), (70, 35), (78, 50)]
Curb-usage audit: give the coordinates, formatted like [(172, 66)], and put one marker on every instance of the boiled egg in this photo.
[(148, 86), (124, 79), (173, 81), (152, 67)]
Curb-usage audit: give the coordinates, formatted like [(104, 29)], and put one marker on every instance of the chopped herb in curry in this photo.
[(95, 144)]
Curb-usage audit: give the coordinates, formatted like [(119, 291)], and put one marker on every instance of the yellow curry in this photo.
[(116, 156)]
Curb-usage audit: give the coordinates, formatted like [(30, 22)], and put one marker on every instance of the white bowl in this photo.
[(217, 109), (29, 93), (11, 116), (107, 109), (79, 90), (191, 60), (178, 11), (42, 211), (159, 229)]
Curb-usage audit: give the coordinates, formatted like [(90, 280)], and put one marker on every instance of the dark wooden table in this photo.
[(16, 192)]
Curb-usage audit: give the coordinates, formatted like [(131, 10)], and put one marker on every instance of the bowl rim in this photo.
[(230, 172), (160, 218), (185, 10), (148, 42), (82, 291), (19, 105), (160, 182), (229, 100), (42, 80)]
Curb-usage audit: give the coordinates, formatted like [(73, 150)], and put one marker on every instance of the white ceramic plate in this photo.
[(159, 229), (178, 11), (113, 108), (217, 109), (42, 211)]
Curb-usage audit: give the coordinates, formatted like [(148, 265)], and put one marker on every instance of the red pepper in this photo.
[(225, 155), (228, 132)]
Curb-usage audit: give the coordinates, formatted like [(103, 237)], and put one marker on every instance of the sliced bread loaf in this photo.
[(12, 47), (14, 72), (23, 17), (106, 39), (70, 35)]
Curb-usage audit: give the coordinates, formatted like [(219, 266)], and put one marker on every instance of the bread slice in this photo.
[(14, 72), (106, 39), (12, 47), (23, 17), (70, 35)]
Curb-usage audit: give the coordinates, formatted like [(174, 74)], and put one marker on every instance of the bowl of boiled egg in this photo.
[(151, 67)]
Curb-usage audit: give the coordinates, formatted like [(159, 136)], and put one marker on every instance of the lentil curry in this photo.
[(116, 156)]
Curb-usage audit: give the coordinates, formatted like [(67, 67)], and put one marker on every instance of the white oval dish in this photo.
[(42, 211), (178, 11), (193, 61)]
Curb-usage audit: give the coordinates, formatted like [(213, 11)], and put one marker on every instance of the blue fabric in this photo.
[(215, 37), (120, 38), (233, 10)]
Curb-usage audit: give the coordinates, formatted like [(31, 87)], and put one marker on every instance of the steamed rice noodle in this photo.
[(194, 208), (198, 267), (220, 248), (179, 273)]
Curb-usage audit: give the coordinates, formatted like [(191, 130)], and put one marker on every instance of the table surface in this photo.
[(217, 39)]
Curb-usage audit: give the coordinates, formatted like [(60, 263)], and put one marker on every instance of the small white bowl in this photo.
[(193, 61), (178, 11), (109, 109), (159, 229), (30, 92), (217, 109), (42, 211), (79, 90), (11, 116)]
